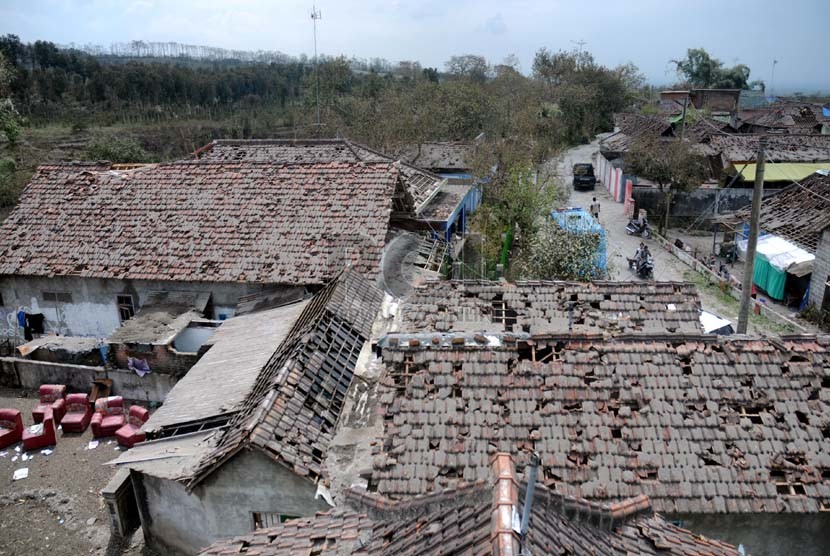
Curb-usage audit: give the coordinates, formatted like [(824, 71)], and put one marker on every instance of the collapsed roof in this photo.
[(294, 405), (296, 224), (477, 519), (799, 213), (698, 424)]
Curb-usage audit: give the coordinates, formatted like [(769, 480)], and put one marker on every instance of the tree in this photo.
[(671, 164), (519, 201), (118, 150), (9, 118), (468, 66), (554, 253), (700, 69)]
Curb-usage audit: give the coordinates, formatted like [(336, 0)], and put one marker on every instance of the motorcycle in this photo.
[(643, 268), (638, 228)]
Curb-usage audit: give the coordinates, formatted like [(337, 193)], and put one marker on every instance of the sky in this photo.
[(646, 32)]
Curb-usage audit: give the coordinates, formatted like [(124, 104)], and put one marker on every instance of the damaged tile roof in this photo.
[(239, 349), (700, 425), (798, 213), (633, 126), (476, 519), (780, 148), (445, 202), (291, 412), (441, 156), (198, 221), (542, 307), (421, 184)]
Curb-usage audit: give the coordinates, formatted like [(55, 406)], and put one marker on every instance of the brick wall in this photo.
[(821, 270)]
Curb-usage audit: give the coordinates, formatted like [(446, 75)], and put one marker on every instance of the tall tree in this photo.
[(671, 164), (700, 69)]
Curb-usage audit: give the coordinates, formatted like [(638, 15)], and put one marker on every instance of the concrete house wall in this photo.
[(764, 534), (821, 270), (93, 310), (178, 522)]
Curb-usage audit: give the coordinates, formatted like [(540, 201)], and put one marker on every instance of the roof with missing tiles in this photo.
[(476, 519), (543, 307), (200, 221), (421, 184), (442, 156), (779, 148), (799, 213), (293, 407), (700, 425)]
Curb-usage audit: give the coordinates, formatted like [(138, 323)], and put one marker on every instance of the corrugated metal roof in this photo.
[(784, 171)]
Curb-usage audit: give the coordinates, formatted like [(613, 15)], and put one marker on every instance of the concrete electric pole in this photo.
[(315, 15), (752, 242)]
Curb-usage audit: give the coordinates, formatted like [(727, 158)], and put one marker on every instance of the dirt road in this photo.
[(620, 245)]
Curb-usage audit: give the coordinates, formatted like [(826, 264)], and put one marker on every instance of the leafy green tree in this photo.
[(9, 118), (700, 69)]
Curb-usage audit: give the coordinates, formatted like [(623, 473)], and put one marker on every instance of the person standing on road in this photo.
[(594, 209)]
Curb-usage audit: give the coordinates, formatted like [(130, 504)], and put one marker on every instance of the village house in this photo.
[(727, 435), (442, 201), (797, 219), (260, 408), (88, 245), (478, 518)]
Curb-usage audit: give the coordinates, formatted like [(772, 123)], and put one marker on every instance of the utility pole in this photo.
[(683, 125), (772, 80), (752, 243), (315, 15), (579, 43)]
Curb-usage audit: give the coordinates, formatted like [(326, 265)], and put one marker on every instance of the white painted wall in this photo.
[(94, 310)]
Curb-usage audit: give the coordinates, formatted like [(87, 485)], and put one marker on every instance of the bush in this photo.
[(557, 254), (120, 150)]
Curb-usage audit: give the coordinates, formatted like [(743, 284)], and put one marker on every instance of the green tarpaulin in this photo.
[(769, 278)]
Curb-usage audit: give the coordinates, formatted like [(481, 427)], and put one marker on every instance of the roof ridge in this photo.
[(604, 516)]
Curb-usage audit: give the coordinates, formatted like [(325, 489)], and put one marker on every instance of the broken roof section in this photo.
[(700, 425), (293, 224), (161, 317), (799, 213), (780, 148), (549, 307), (291, 412), (420, 184), (633, 126), (442, 156), (477, 519), (214, 389)]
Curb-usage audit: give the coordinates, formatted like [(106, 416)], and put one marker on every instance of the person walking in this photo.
[(594, 209)]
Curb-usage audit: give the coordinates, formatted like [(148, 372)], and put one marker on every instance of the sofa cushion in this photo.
[(112, 421), (73, 418), (7, 425)]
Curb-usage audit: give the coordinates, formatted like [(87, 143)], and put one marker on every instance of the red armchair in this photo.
[(11, 427), (78, 413), (130, 434), (108, 417), (51, 397), (44, 438)]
